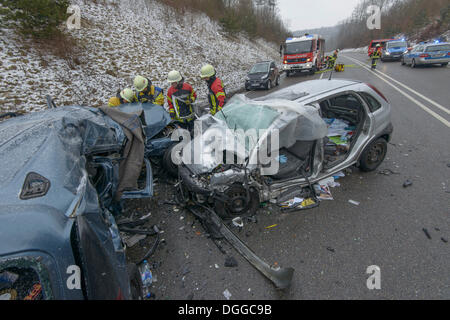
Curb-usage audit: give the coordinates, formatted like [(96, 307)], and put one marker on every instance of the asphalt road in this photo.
[(332, 246)]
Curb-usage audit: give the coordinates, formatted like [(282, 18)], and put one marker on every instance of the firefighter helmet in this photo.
[(140, 83), (174, 76), (127, 95), (207, 71), (114, 102)]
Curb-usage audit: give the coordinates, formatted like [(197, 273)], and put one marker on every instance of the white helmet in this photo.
[(174, 76), (140, 83), (127, 95)]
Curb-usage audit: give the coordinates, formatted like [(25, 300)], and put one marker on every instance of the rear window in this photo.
[(373, 103), (438, 48)]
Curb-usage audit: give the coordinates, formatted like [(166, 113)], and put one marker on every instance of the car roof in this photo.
[(307, 90), (435, 44), (380, 40)]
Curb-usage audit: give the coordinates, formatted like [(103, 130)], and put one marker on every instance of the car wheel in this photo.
[(413, 63), (135, 282), (444, 64), (373, 155), (168, 164), (237, 205), (269, 85)]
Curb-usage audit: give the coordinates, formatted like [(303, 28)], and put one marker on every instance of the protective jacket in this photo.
[(217, 96), (180, 101), (151, 94)]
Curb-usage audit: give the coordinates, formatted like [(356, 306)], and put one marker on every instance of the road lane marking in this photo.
[(412, 90), (421, 105)]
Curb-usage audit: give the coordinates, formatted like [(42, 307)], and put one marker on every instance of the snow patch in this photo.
[(119, 40)]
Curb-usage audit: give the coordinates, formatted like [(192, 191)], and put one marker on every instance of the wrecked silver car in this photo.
[(276, 147)]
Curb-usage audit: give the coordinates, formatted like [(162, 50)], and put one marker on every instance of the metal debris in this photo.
[(426, 233)]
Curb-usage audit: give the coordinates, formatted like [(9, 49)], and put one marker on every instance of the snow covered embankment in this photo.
[(120, 39)]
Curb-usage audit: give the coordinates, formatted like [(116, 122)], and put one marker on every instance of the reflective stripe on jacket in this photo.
[(180, 101), (155, 95), (217, 96)]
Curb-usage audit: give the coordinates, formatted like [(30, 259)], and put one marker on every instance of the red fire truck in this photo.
[(373, 45), (306, 53)]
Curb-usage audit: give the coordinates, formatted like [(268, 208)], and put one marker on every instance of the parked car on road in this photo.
[(394, 50), (428, 54), (264, 75), (310, 147)]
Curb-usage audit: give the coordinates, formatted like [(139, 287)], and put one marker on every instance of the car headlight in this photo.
[(264, 77), (388, 53), (247, 79)]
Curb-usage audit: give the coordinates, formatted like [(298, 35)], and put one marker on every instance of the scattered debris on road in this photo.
[(426, 233), (407, 184), (230, 262)]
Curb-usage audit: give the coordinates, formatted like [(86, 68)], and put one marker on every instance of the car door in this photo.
[(415, 53)]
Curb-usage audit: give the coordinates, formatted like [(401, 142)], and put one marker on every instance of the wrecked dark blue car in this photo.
[(64, 173)]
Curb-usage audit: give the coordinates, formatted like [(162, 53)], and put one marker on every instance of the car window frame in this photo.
[(369, 105)]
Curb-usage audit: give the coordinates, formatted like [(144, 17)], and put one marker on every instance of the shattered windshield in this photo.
[(260, 68), (246, 116)]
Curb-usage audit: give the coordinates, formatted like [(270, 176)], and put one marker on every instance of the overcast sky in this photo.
[(311, 14)]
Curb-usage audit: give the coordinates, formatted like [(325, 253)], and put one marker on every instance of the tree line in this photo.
[(256, 18), (417, 20)]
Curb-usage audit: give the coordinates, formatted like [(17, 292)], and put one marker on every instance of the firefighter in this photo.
[(375, 56), (331, 60), (335, 54), (180, 98), (148, 93), (125, 96), (217, 97)]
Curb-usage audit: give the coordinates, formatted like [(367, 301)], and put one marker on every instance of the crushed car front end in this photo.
[(59, 239)]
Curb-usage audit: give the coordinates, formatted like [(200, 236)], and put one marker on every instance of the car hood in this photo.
[(257, 76), (245, 126)]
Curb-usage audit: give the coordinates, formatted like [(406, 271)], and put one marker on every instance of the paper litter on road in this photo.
[(238, 222), (227, 294), (323, 192), (338, 175), (292, 202), (356, 203), (329, 182)]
